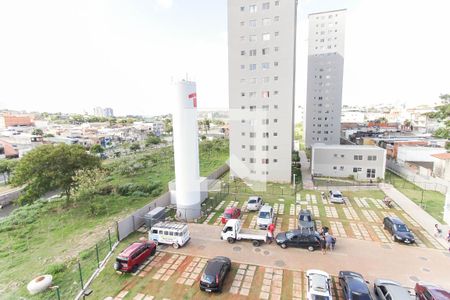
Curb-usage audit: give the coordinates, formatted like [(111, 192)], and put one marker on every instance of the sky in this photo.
[(70, 56)]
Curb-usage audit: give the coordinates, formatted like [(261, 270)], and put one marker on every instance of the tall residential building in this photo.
[(103, 112), (261, 63), (325, 76)]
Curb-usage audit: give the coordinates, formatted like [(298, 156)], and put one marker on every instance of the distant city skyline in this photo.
[(60, 56)]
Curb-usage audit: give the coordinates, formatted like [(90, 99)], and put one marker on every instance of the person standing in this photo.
[(270, 233), (328, 242), (437, 231)]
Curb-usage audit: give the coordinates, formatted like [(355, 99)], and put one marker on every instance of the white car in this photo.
[(265, 217), (171, 233), (336, 197), (254, 203), (319, 285)]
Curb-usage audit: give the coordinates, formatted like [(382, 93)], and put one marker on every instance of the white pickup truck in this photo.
[(233, 231)]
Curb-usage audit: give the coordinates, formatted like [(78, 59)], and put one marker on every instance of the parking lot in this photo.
[(360, 218)]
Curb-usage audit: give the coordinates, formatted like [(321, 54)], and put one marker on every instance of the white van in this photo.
[(171, 233), (265, 217)]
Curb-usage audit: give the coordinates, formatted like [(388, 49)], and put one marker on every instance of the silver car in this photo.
[(390, 290), (254, 203)]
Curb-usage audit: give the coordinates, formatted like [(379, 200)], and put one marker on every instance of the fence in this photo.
[(426, 183), (131, 223)]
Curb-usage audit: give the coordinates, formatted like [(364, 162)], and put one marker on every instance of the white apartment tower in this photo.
[(325, 76), (261, 62)]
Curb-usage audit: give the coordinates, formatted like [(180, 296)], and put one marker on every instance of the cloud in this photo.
[(165, 4)]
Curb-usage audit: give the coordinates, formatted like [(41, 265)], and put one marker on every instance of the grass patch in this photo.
[(432, 202)]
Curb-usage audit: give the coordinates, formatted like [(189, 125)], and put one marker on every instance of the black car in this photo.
[(299, 238), (215, 273), (400, 232), (354, 286), (305, 220)]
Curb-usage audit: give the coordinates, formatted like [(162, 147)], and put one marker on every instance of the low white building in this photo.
[(362, 162)]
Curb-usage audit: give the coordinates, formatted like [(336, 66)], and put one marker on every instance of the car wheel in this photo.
[(134, 269), (156, 242), (153, 252), (310, 248), (384, 226), (230, 240), (256, 243), (284, 246), (394, 239), (375, 290), (175, 245)]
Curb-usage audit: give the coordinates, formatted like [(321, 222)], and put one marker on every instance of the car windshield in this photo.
[(337, 195), (401, 228), (305, 218), (252, 201), (289, 235), (208, 278), (319, 297), (359, 296), (264, 215), (227, 215), (122, 259)]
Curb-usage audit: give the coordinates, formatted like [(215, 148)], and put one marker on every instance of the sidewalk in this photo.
[(415, 211), (306, 171)]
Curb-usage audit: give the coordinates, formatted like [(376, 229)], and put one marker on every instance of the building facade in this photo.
[(261, 58), (363, 163), (325, 76)]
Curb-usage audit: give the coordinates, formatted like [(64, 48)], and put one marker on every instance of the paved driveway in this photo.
[(373, 259)]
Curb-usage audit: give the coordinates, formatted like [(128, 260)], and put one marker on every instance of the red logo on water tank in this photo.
[(193, 97)]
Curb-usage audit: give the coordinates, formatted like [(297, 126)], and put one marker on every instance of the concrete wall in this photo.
[(339, 161)]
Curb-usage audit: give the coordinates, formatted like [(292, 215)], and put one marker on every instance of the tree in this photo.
[(97, 149), (51, 167), (7, 167), (168, 126), (152, 139), (442, 115), (37, 131), (135, 147)]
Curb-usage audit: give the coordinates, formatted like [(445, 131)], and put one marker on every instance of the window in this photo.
[(252, 38), (242, 107), (275, 147), (242, 94), (276, 49), (243, 121), (265, 161), (252, 134), (243, 146), (265, 94), (334, 168), (243, 133), (242, 67), (252, 94), (372, 157), (242, 23), (265, 66), (265, 121), (243, 159), (341, 168), (242, 52), (253, 8), (356, 170), (275, 64), (242, 8), (265, 51), (266, 5), (242, 38), (277, 3), (252, 107), (265, 148), (252, 67), (275, 106), (266, 36), (252, 23), (276, 33), (275, 160), (357, 157), (275, 120), (275, 134), (370, 173), (252, 147), (252, 52), (275, 78), (265, 135), (253, 80), (265, 107), (276, 18), (266, 79), (252, 160), (275, 92), (242, 80), (266, 21)]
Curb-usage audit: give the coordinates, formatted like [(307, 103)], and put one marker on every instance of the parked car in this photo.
[(319, 285), (129, 259), (215, 273), (171, 233), (353, 285), (231, 213), (400, 232), (336, 197), (390, 290), (305, 220), (265, 217), (430, 292), (298, 238), (254, 203)]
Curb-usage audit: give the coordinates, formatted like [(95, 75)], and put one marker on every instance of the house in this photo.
[(361, 162), (441, 167)]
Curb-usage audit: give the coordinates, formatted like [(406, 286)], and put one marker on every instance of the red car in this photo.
[(231, 213), (135, 254), (431, 292)]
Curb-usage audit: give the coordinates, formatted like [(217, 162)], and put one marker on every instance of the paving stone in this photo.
[(234, 290), (247, 285), (244, 291), (267, 275), (165, 277), (267, 282), (241, 272), (236, 283), (275, 296), (193, 276), (252, 268), (264, 295), (149, 297), (181, 280), (239, 277), (265, 288), (277, 283), (277, 277), (122, 294), (189, 282), (278, 272), (248, 279)]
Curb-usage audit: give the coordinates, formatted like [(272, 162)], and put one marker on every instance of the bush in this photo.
[(97, 209), (55, 268), (139, 194), (156, 192), (23, 215), (105, 190)]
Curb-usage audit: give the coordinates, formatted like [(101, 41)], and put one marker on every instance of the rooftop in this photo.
[(443, 156), (349, 147)]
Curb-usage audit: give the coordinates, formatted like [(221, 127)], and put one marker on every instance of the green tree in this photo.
[(51, 167), (135, 147), (37, 131), (7, 167), (442, 115), (168, 126), (152, 139), (97, 149)]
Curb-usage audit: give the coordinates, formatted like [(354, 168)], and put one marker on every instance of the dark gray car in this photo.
[(399, 231), (305, 220)]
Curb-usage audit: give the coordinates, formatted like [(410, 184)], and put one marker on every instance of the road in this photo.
[(402, 263)]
